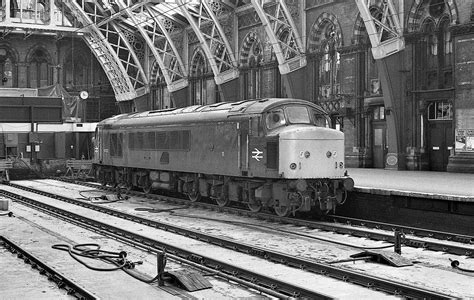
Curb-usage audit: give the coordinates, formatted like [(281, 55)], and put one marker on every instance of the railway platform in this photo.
[(433, 200), (416, 184)]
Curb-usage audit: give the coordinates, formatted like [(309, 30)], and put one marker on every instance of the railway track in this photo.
[(387, 286), (271, 286), (59, 279), (420, 232), (358, 228)]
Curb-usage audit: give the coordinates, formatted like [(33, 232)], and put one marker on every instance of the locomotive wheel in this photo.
[(282, 211), (222, 202), (147, 189), (194, 196), (128, 186), (254, 206), (100, 177), (101, 180)]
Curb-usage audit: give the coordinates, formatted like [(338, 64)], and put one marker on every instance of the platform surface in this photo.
[(434, 185)]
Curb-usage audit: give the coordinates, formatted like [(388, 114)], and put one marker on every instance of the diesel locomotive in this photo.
[(264, 153)]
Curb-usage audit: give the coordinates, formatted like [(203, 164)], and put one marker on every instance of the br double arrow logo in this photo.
[(257, 154)]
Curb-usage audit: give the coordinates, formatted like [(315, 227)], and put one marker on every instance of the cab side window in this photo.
[(275, 119), (320, 119)]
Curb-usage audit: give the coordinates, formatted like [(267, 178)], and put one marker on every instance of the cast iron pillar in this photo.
[(390, 72)]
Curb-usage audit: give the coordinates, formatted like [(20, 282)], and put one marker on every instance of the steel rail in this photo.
[(325, 226), (62, 281), (139, 245), (421, 232), (281, 287), (274, 256)]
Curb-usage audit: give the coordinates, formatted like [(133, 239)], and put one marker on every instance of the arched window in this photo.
[(251, 67), (160, 94), (446, 43), (80, 70), (431, 41), (372, 84), (440, 110), (325, 41), (7, 69), (39, 74), (434, 58), (329, 67), (203, 87), (252, 79), (198, 82)]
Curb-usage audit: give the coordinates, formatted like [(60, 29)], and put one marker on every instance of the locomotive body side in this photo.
[(180, 148)]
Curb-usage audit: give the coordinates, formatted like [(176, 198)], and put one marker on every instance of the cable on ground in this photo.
[(102, 199), (455, 265), (93, 251)]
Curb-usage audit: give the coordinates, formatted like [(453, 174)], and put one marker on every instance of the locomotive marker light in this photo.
[(305, 154), (84, 95)]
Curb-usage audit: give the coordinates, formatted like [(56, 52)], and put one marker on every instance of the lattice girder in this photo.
[(386, 33), (126, 53), (112, 34), (117, 37), (289, 52), (156, 36), (116, 73), (213, 41)]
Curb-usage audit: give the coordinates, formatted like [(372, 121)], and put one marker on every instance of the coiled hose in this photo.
[(92, 251)]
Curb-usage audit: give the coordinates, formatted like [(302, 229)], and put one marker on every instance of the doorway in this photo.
[(379, 137), (440, 144), (440, 135), (379, 150)]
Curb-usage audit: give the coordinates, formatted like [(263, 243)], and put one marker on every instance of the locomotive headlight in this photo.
[(328, 154), (307, 154), (293, 166)]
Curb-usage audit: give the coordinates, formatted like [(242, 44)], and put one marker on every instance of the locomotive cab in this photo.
[(308, 159)]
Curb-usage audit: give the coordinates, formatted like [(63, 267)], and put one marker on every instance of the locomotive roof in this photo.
[(199, 113)]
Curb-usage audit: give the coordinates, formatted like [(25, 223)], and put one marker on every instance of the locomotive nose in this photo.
[(311, 152)]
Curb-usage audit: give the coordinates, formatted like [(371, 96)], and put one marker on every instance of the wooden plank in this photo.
[(191, 281), (78, 168), (6, 164)]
